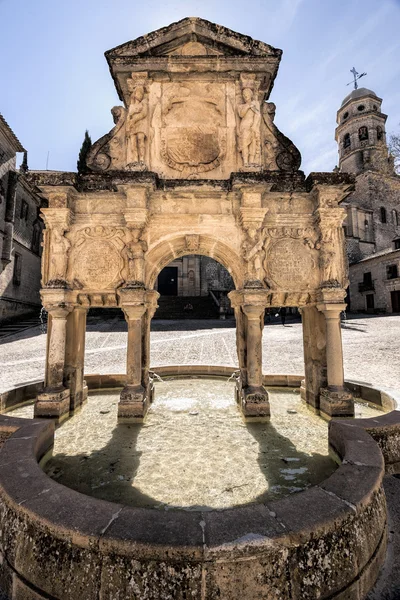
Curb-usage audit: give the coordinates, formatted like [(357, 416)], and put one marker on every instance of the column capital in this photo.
[(253, 311), (331, 310), (134, 312)]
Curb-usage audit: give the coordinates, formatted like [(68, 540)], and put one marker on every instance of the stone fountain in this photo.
[(193, 164)]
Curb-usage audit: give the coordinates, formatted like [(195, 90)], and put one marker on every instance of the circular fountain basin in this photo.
[(257, 540), (194, 450)]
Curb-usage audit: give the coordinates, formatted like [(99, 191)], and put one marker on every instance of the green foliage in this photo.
[(86, 145), (394, 149)]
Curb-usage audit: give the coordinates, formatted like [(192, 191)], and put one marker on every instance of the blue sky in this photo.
[(55, 81)]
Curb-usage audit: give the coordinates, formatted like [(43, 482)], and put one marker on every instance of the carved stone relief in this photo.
[(249, 113), (193, 126), (97, 258), (192, 242), (59, 251), (109, 152), (279, 153), (290, 259), (136, 249), (137, 122)]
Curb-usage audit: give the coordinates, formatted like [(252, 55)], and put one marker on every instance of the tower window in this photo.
[(24, 211), (383, 215), (375, 107), (379, 133), (361, 107), (395, 216), (346, 114), (363, 134), (346, 141)]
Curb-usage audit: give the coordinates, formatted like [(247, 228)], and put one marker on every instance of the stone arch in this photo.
[(166, 251)]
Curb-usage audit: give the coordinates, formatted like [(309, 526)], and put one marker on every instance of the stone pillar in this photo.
[(255, 401), (151, 304), (133, 402), (75, 357), (335, 400), (54, 402), (314, 346)]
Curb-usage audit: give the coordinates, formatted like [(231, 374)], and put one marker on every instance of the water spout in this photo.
[(235, 375), (154, 375)]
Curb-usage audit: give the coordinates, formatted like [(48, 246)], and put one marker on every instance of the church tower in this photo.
[(360, 133)]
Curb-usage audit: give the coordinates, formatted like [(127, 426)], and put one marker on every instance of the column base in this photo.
[(52, 405), (336, 403), (133, 404), (255, 404)]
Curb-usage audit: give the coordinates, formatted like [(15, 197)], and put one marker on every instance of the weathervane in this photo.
[(356, 77)]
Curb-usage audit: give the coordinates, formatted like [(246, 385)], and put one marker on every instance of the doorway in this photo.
[(395, 297), (168, 281), (370, 303)]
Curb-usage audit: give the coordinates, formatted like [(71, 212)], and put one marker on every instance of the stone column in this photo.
[(255, 401), (54, 402), (314, 346), (133, 402), (151, 304), (335, 400), (75, 357)]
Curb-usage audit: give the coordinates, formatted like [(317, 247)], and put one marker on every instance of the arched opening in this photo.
[(383, 214), (363, 134), (194, 286), (346, 141)]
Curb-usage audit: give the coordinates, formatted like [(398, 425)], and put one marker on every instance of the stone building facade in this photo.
[(372, 226), (20, 233)]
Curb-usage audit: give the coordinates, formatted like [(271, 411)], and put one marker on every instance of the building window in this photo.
[(392, 272), (363, 134), (346, 141), (374, 107), (383, 215), (361, 107), (397, 244), (36, 238), (379, 133), (395, 217), (24, 211), (346, 114), (367, 278), (17, 269)]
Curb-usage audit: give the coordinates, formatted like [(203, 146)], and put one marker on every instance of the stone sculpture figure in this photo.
[(136, 249), (137, 122), (328, 259), (253, 254), (60, 247), (279, 152), (249, 127), (109, 152)]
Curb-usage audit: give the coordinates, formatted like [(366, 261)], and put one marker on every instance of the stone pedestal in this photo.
[(75, 357), (54, 402), (254, 397), (335, 400)]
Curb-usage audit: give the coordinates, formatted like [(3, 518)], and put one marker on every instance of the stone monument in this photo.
[(194, 162)]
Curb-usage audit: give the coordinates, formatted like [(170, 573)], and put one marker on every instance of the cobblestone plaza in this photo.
[(371, 348)]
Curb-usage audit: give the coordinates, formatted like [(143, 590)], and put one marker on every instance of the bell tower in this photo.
[(360, 133)]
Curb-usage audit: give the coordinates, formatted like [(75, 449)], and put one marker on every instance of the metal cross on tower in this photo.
[(356, 77)]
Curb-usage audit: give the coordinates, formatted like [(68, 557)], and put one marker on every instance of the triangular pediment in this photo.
[(193, 36)]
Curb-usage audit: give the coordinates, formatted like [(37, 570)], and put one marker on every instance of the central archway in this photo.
[(163, 253)]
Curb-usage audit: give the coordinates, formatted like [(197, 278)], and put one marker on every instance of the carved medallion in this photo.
[(193, 136), (97, 258), (289, 264)]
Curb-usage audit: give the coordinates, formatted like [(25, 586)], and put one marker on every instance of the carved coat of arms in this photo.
[(193, 133)]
